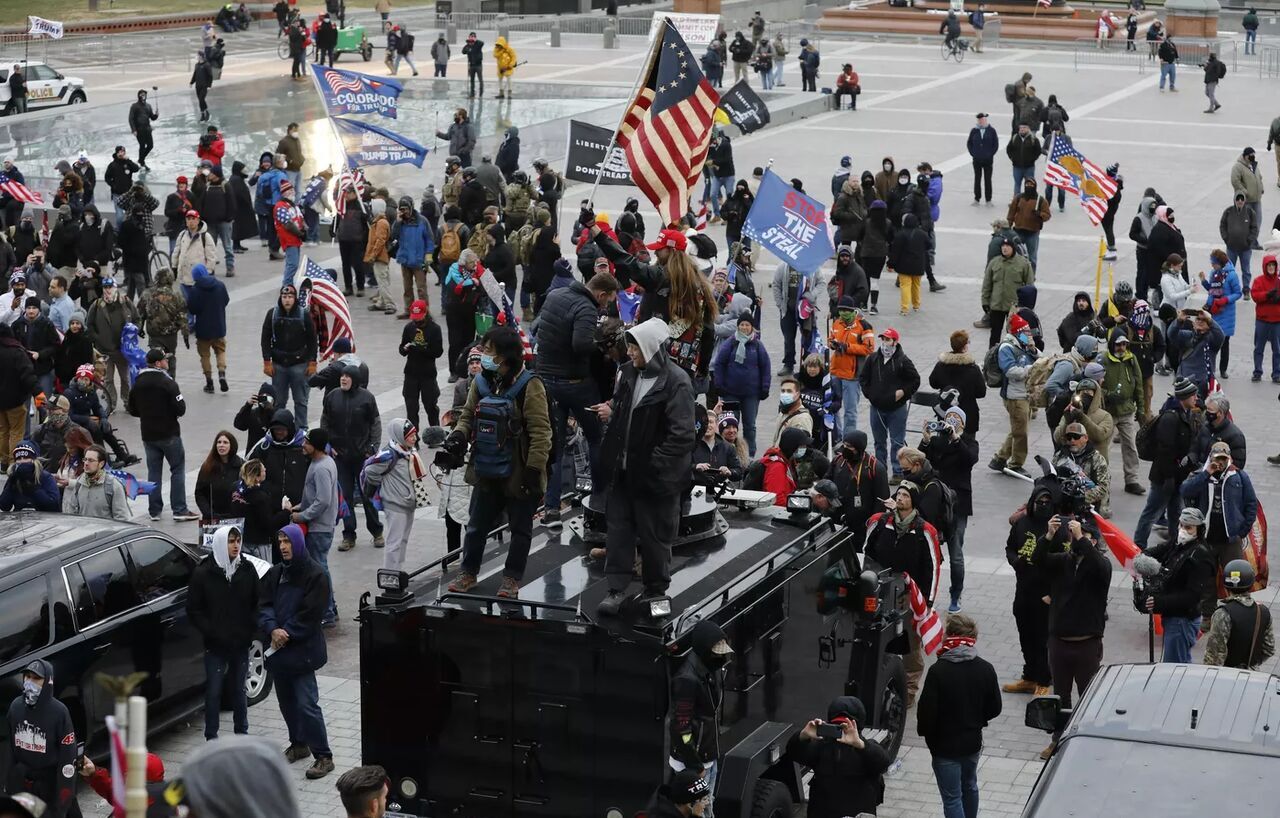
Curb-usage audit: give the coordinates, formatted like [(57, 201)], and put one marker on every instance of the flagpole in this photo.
[(644, 73)]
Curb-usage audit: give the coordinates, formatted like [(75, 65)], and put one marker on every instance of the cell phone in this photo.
[(830, 732)]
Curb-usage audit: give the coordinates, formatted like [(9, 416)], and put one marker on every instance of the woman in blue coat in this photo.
[(740, 369), (1222, 286)]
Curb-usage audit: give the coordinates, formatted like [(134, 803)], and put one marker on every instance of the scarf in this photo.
[(958, 649), (903, 524), (740, 352), (416, 468)]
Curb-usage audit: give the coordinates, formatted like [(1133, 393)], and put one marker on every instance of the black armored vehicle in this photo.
[(484, 706)]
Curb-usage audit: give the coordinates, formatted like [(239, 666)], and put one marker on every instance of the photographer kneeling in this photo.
[(1179, 578), (848, 771)]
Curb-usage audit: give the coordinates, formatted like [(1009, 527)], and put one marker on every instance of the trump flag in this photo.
[(789, 224), (366, 145), (348, 92)]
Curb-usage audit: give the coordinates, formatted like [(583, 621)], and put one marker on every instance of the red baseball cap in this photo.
[(192, 214), (418, 310), (1017, 323), (891, 334), (670, 238)]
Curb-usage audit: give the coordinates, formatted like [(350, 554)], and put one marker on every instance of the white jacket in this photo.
[(198, 249), (1175, 290)]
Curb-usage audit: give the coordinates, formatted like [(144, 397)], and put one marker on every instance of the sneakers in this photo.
[(551, 519), (982, 323), (1020, 686), (1018, 470), (185, 516), (1274, 459), (322, 767), (348, 543), (954, 607), (296, 752), (1134, 488), (510, 588), (996, 464), (379, 541), (155, 518), (463, 584)]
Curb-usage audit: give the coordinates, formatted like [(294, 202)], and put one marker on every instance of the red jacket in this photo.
[(100, 780), (286, 213), (217, 149), (779, 477), (1266, 291)]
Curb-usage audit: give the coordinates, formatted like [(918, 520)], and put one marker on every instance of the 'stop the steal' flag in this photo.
[(348, 92), (366, 144), (789, 224)]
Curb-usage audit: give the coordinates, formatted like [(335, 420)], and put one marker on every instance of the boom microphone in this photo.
[(1146, 566)]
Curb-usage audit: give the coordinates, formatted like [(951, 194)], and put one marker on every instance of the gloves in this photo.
[(1219, 303), (532, 481), (455, 443), (986, 308), (268, 368), (764, 396), (311, 368), (587, 216), (142, 333)]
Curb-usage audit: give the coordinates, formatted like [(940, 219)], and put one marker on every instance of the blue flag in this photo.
[(366, 145), (628, 303), (789, 224), (346, 92)]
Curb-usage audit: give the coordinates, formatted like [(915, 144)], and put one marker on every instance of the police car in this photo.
[(46, 86)]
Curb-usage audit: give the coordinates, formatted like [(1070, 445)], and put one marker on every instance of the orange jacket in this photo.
[(849, 344)]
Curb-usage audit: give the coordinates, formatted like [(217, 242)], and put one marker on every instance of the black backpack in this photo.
[(1010, 93), (991, 368), (1145, 439), (947, 525)]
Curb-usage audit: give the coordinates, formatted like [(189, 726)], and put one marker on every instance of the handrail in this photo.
[(490, 601)]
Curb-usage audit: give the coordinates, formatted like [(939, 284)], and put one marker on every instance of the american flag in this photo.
[(924, 619), (352, 178), (318, 291), (17, 190), (700, 219), (132, 485), (667, 127), (341, 81), (1069, 170), (1044, 4)]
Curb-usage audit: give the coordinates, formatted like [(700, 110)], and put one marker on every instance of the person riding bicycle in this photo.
[(951, 28)]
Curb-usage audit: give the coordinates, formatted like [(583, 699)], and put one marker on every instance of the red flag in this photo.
[(667, 127), (1123, 548)]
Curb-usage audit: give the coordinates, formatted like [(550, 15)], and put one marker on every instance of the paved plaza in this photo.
[(914, 108)]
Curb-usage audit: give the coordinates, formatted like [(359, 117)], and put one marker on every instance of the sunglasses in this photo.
[(1075, 437)]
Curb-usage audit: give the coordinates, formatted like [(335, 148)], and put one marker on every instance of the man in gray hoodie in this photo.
[(319, 508), (389, 482)]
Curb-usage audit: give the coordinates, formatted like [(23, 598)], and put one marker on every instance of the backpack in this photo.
[(478, 243), (495, 429), (1038, 376), (1010, 93), (1222, 69), (450, 245), (947, 525), (991, 368), (1145, 439), (973, 15), (406, 43), (522, 244)]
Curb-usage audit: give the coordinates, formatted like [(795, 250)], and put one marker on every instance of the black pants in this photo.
[(326, 52), (1032, 617), (144, 146), (1222, 553), (44, 784), (1225, 355), (421, 388), (647, 522), (1109, 229), (296, 70), (441, 69), (808, 81), (853, 98), (461, 327), (201, 93), (348, 473), (997, 319), (982, 176), (474, 72), (352, 253), (1073, 664)]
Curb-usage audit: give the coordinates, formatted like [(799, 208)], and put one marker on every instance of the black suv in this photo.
[(98, 596)]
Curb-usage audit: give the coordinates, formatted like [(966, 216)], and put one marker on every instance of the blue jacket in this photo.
[(983, 146), (413, 241), (1239, 502), (749, 379), (295, 595), (935, 195), (1196, 354), (268, 191), (1015, 362), (809, 61), (1223, 287), (207, 302), (26, 492)]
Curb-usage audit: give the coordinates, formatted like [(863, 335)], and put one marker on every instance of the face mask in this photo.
[(848, 317), (852, 453), (1024, 338), (787, 398), (904, 180), (800, 453), (487, 363), (30, 692), (717, 661), (888, 167), (1212, 417), (887, 348), (1185, 536)]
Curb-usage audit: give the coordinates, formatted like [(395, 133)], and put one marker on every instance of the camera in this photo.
[(830, 732), (940, 428)]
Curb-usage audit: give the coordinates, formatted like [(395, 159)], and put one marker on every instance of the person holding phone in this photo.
[(848, 770)]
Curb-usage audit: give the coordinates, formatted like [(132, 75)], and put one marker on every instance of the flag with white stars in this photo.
[(1069, 170), (667, 127)]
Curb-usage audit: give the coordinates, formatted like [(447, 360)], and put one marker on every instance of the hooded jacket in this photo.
[(207, 302), (107, 319), (157, 402), (1029, 213), (651, 432), (845, 781), (886, 180), (508, 156), (697, 689), (245, 224), (288, 335), (1092, 466), (909, 250), (350, 416), (863, 484), (1238, 227), (881, 379), (222, 599), (285, 462), (40, 336), (1247, 179), (960, 697), (1073, 325), (1226, 432), (959, 371), (1190, 570), (421, 343), (253, 419), (1125, 393), (95, 241), (42, 739), (1222, 291), (1196, 352), (1097, 421), (1239, 501), (294, 596), (1175, 431), (1266, 291), (1069, 367), (1015, 360), (389, 475)]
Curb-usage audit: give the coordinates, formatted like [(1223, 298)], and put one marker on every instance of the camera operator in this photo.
[(714, 460), (1078, 455), (1240, 632), (1225, 496), (952, 454), (900, 539), (1086, 408), (1179, 573), (1079, 581), (696, 692), (863, 483), (848, 771)]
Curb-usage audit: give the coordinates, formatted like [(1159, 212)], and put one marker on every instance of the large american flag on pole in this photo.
[(1070, 170), (667, 127), (349, 178), (17, 190), (318, 292)]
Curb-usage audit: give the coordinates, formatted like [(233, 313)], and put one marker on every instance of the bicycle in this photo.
[(955, 49)]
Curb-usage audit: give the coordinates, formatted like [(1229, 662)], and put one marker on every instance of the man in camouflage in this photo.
[(452, 181), (1240, 632), (519, 194), (164, 314)]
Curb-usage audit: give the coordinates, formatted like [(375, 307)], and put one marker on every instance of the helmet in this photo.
[(468, 172), (520, 177), (1124, 291), (1238, 575)]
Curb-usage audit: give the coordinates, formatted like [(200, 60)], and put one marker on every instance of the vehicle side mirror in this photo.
[(1046, 713)]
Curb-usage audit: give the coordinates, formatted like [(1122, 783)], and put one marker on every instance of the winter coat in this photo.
[(916, 553), (850, 345), (1023, 151), (1226, 432), (1079, 580), (288, 337), (64, 243), (1015, 364), (531, 412), (507, 159), (285, 462), (106, 321), (225, 612), (246, 223), (1239, 502), (846, 781), (1098, 424), (908, 199), (566, 332), (30, 485), (291, 147), (1163, 240), (1238, 227), (389, 475), (96, 241), (1222, 289), (1190, 577), (849, 280), (807, 284), (880, 379), (162, 308), (950, 460), (877, 234), (1247, 179), (1122, 385), (350, 416), (1266, 292), (958, 370), (215, 487), (119, 175), (1029, 213), (983, 143), (1197, 353), (40, 336), (1175, 431), (295, 596), (960, 696), (421, 343), (156, 401), (1001, 280), (748, 379), (263, 517), (191, 250), (909, 252), (934, 194), (461, 136), (42, 741), (505, 56), (207, 301), (849, 211), (104, 498), (1074, 323), (412, 241)]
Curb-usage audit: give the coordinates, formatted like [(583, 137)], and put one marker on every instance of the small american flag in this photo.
[(1070, 170), (318, 292), (667, 127), (132, 485), (350, 178), (19, 191)]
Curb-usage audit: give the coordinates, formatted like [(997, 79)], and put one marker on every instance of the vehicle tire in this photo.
[(282, 50), (77, 98), (771, 800), (258, 681), (893, 702), (367, 51)]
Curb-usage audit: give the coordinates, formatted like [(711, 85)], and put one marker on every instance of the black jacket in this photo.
[(697, 690), (1228, 433), (141, 115), (863, 486), (1176, 431), (156, 401), (288, 336), (421, 343), (909, 250), (262, 514), (42, 740), (1073, 325), (246, 221), (1079, 580), (845, 781), (501, 260), (119, 175), (659, 447), (285, 462), (41, 337), (95, 242), (958, 370), (294, 597), (253, 419), (719, 454), (214, 488), (351, 418), (1186, 576), (881, 380), (910, 553), (961, 695), (218, 205), (225, 613), (952, 459), (566, 332), (472, 200)]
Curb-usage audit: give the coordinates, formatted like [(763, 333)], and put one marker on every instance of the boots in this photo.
[(222, 381), (208, 384)]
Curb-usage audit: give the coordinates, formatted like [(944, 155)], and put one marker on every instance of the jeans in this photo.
[(292, 255), (157, 452), (958, 785), (1251, 41), (1030, 238), (1163, 498), (222, 233), (318, 545), (571, 398), (766, 79), (1211, 91), (1020, 176), (1170, 70), (716, 185), (295, 176), (299, 698), (286, 379), (1180, 636), (893, 425), (349, 465), (1257, 218), (850, 392), (486, 505), (1264, 333), (216, 669), (778, 65), (1240, 258), (955, 555), (311, 218), (442, 69), (395, 66)]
